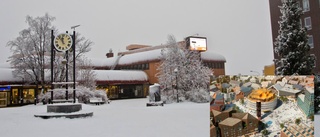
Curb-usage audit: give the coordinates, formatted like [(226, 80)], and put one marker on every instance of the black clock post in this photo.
[(74, 65), (53, 51)]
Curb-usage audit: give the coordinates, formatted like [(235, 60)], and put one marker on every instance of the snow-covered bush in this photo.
[(83, 94), (199, 96)]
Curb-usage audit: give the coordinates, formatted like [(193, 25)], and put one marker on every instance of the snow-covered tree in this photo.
[(182, 71), (291, 44), (32, 48)]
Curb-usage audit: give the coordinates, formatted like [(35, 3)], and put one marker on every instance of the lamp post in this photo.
[(176, 73), (255, 72)]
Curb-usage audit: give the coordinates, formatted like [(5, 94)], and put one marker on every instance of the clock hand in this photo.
[(62, 40)]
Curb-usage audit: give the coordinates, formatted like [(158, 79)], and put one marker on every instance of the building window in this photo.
[(143, 66), (306, 6), (307, 23), (310, 41)]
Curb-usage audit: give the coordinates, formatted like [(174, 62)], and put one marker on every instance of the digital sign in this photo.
[(197, 43)]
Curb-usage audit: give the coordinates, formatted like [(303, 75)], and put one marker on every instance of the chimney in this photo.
[(110, 54)]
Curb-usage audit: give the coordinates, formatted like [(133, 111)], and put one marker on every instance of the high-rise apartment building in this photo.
[(310, 19)]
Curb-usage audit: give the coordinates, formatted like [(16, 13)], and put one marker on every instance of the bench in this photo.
[(96, 101), (159, 103)]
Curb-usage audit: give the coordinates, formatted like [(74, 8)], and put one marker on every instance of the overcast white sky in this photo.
[(240, 30)]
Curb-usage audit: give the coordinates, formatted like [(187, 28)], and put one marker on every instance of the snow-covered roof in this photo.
[(6, 75), (98, 62), (140, 57), (145, 56), (208, 55), (120, 75)]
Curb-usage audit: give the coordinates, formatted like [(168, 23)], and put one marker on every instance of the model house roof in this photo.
[(249, 117), (281, 83), (234, 83), (230, 121), (289, 88), (246, 89), (228, 107), (265, 84), (238, 115), (248, 84), (212, 86), (277, 86), (215, 112), (297, 86), (225, 85), (255, 86), (219, 96)]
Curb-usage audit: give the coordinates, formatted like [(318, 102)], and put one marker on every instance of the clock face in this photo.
[(63, 42)]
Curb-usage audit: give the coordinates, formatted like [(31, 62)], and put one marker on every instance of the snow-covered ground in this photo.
[(120, 118)]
